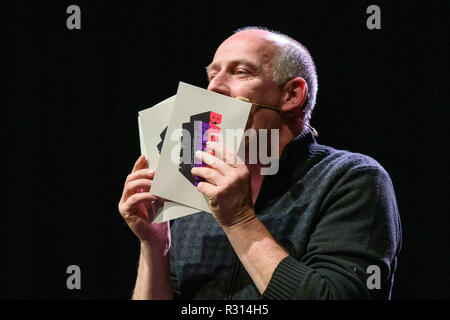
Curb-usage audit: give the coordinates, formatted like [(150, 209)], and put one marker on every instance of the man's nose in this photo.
[(220, 84)]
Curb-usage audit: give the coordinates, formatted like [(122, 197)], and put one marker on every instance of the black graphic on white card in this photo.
[(201, 128), (160, 144)]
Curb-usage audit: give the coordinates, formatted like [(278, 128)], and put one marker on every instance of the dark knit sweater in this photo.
[(335, 213)]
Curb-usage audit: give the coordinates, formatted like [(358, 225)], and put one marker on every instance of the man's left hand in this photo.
[(227, 185)]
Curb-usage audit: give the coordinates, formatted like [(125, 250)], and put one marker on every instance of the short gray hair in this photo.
[(293, 60)]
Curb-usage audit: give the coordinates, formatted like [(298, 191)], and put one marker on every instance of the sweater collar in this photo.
[(295, 157), (298, 147), (293, 164)]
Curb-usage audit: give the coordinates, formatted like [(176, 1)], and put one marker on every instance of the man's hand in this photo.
[(138, 207), (228, 189), (227, 186)]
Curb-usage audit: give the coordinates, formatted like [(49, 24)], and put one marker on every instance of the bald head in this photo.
[(266, 35), (290, 60), (260, 34)]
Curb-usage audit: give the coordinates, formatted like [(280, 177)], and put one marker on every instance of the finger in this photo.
[(210, 175), (136, 199), (208, 189), (212, 161), (136, 186), (140, 174), (140, 163), (226, 155)]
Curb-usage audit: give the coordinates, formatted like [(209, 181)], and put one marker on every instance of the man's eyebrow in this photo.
[(213, 65)]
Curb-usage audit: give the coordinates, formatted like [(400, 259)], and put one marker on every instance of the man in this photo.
[(325, 226)]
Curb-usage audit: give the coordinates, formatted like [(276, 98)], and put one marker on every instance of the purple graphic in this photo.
[(195, 136)]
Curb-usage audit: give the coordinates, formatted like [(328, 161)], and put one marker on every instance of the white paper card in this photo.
[(194, 107), (152, 122)]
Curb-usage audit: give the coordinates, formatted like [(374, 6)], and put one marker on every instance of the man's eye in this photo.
[(241, 72)]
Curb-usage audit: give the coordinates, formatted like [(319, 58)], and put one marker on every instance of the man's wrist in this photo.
[(245, 220), (154, 249)]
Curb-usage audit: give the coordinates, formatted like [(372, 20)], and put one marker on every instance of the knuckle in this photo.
[(243, 173), (123, 209), (233, 176), (209, 175), (129, 177), (220, 191), (129, 185)]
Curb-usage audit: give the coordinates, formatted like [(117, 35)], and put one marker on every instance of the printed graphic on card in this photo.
[(196, 133), (198, 115)]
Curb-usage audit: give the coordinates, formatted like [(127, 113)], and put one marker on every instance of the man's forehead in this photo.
[(246, 48)]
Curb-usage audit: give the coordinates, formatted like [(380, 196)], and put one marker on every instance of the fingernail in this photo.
[(151, 171)]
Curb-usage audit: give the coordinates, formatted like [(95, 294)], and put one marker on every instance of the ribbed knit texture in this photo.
[(335, 213), (282, 285)]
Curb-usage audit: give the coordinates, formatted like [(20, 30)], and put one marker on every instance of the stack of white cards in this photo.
[(170, 133)]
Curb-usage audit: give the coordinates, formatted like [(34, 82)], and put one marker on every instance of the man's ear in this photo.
[(294, 94)]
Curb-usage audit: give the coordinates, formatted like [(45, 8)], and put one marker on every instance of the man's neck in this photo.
[(286, 136)]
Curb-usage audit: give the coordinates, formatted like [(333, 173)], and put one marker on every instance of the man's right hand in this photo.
[(138, 207)]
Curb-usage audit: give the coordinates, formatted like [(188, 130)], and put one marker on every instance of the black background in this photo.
[(70, 137)]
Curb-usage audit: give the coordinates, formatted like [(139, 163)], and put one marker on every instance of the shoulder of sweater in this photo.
[(345, 160)]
